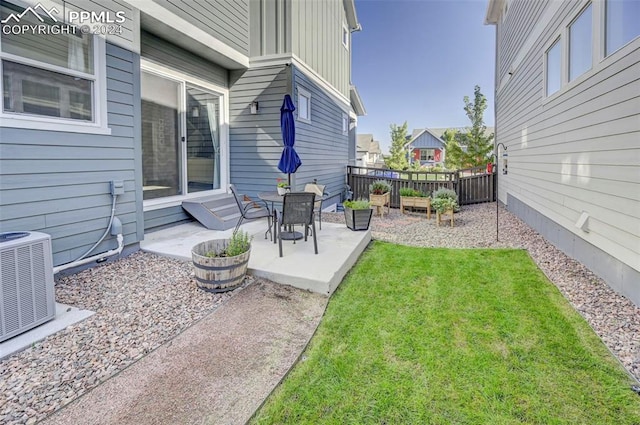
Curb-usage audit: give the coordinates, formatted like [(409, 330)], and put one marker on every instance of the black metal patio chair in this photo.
[(297, 209), (250, 210), (318, 189)]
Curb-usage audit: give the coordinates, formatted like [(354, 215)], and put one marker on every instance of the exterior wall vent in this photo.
[(27, 297)]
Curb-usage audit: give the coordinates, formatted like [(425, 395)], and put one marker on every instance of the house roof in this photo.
[(440, 131), (363, 141), (352, 17), (425, 139), (356, 101), (494, 10)]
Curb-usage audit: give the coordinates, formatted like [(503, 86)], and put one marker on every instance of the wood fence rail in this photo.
[(473, 185)]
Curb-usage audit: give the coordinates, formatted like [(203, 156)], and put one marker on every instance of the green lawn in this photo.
[(437, 336)]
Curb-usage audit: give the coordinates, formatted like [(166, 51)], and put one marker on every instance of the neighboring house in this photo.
[(180, 99), (568, 111), (368, 152), (426, 148)]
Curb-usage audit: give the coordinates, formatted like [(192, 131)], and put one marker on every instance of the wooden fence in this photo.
[(473, 185)]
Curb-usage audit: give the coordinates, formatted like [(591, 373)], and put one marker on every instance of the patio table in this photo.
[(275, 198)]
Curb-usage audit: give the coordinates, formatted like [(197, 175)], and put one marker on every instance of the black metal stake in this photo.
[(497, 192)]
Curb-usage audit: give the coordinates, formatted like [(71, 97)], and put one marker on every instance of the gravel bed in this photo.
[(144, 300), (612, 316), (140, 302)]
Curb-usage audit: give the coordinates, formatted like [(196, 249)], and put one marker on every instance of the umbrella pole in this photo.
[(289, 176)]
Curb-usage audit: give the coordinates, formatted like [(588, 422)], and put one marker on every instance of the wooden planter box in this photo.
[(439, 216), (415, 201), (218, 274), (357, 219), (379, 201)]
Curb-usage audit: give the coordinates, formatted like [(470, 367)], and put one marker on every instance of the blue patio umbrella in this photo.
[(289, 161)]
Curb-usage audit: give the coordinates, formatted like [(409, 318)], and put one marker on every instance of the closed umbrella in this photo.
[(289, 161)]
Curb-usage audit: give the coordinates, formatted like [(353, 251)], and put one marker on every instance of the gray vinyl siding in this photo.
[(157, 219), (320, 143), (255, 141), (522, 16), (427, 140), (316, 38), (167, 54), (270, 32), (577, 150), (226, 20), (58, 182)]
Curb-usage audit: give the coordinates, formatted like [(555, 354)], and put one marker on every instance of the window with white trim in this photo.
[(621, 23), (345, 123), (50, 78), (304, 104), (580, 42), (345, 37), (553, 68)]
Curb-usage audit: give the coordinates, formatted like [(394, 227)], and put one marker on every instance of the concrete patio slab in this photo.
[(65, 316), (338, 250)]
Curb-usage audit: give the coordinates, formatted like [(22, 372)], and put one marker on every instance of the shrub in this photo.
[(443, 192), (379, 187), (408, 191), (239, 243), (443, 204), (360, 204)]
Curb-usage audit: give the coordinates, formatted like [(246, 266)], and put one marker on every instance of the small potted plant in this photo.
[(445, 201), (410, 197), (357, 214), (380, 195), (283, 186), (221, 264)]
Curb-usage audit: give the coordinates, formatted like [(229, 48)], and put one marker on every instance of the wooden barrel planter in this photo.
[(218, 274), (357, 219)]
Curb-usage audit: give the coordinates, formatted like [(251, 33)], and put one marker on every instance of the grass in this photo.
[(437, 336)]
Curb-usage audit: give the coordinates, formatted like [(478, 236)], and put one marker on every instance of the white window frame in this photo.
[(99, 96), (345, 36), (603, 25), (304, 96), (184, 79), (591, 42), (558, 41), (345, 123)]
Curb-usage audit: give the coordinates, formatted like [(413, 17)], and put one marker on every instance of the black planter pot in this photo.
[(357, 219)]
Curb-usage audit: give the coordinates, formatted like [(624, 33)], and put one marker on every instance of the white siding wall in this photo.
[(579, 149)]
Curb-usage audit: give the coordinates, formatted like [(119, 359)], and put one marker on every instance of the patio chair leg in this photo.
[(315, 241), (279, 231), (238, 225)]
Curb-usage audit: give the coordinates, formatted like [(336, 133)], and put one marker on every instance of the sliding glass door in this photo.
[(181, 137), (203, 140), (161, 150)]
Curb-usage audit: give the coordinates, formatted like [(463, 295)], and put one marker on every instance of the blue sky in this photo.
[(415, 60)]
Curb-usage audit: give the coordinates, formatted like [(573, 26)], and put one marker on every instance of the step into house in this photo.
[(216, 212)]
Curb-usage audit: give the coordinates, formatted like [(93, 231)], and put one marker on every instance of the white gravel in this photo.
[(143, 300), (140, 301)]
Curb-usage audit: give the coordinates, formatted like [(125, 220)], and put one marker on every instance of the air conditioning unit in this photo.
[(27, 296)]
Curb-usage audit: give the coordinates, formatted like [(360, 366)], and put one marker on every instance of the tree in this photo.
[(398, 152), (471, 148), (454, 154), (478, 144)]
